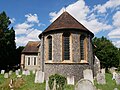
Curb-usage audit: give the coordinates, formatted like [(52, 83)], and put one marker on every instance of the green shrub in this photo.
[(60, 82)]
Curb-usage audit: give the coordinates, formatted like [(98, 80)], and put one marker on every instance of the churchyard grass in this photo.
[(110, 84), (26, 83)]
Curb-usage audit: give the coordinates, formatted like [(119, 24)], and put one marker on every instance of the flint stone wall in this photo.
[(72, 67), (75, 70)]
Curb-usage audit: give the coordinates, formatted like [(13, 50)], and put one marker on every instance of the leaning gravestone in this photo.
[(101, 78), (6, 75), (10, 72), (117, 79), (96, 65), (47, 85), (84, 84), (103, 71), (70, 80), (87, 74), (2, 71), (39, 77)]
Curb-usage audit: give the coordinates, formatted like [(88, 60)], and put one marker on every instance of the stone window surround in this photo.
[(70, 61), (31, 60)]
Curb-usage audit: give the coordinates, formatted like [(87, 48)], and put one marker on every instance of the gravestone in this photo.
[(10, 72), (116, 89), (39, 77), (103, 71), (101, 78), (17, 72), (70, 80), (88, 74), (33, 71), (112, 69), (117, 79), (6, 75), (114, 75), (84, 84), (2, 71), (23, 72), (47, 85), (27, 72), (54, 85), (96, 65)]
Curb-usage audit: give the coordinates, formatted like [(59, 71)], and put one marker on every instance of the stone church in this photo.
[(65, 47)]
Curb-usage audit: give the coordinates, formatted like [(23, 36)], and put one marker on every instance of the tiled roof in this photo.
[(65, 21), (31, 47)]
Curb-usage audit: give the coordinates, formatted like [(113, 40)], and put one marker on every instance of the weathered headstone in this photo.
[(88, 74), (84, 84), (101, 78), (2, 71), (17, 72), (10, 72), (54, 85), (23, 72), (114, 75), (96, 65), (33, 71), (115, 88), (103, 71), (70, 80), (39, 77), (27, 72), (11, 84), (112, 69), (47, 85), (6, 75), (117, 79)]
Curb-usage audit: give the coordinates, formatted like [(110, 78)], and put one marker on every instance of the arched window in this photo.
[(66, 46), (49, 47), (82, 38)]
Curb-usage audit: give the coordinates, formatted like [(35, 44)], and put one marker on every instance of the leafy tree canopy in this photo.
[(106, 52), (7, 42)]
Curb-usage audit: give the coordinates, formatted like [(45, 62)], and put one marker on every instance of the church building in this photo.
[(65, 48)]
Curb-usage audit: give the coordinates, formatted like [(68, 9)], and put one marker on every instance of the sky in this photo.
[(30, 17)]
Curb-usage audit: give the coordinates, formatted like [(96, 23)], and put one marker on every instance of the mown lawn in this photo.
[(110, 84), (24, 83), (27, 83)]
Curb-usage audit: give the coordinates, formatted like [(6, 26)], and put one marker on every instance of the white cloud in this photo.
[(114, 33), (82, 13), (26, 31), (117, 43), (23, 28), (32, 18), (32, 36), (12, 20), (116, 19), (110, 4)]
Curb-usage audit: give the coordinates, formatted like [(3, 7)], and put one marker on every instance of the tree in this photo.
[(106, 52), (7, 42)]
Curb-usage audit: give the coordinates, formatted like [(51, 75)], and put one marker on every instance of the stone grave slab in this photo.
[(2, 71), (88, 74), (101, 78), (70, 80), (6, 75), (39, 77), (84, 84)]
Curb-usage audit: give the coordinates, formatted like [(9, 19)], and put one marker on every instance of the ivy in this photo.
[(59, 80)]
